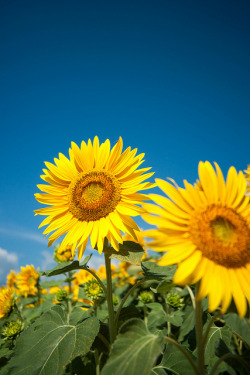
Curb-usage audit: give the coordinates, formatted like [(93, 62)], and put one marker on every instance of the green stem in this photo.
[(112, 332), (169, 324), (177, 345), (145, 314), (199, 336), (126, 297), (69, 282), (99, 281), (191, 296), (241, 339), (39, 291), (97, 361)]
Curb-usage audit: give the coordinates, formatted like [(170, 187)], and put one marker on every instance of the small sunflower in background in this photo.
[(63, 253), (6, 301), (27, 281), (206, 230), (11, 279), (93, 194)]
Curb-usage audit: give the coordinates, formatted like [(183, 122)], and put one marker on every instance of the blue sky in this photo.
[(171, 77)]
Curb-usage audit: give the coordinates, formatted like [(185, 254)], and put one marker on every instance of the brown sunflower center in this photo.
[(93, 195), (222, 235)]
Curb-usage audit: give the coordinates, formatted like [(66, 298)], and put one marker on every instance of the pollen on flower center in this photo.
[(222, 235), (93, 195), (223, 230), (93, 192)]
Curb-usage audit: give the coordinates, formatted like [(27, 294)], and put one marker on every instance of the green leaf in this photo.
[(129, 251), (239, 325), (78, 315), (175, 361), (135, 350), (188, 322), (32, 314), (230, 363), (49, 344), (152, 269), (66, 267), (215, 335), (164, 286), (175, 318), (127, 313)]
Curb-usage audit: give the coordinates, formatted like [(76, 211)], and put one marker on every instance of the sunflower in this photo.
[(11, 279), (27, 281), (206, 230), (93, 194), (63, 254), (248, 179), (101, 272), (6, 301), (140, 238)]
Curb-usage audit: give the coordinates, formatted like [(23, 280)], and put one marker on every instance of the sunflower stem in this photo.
[(126, 297), (199, 335), (110, 299)]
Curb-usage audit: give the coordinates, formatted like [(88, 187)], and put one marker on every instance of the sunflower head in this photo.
[(63, 254), (146, 297), (11, 279), (93, 194), (81, 277), (27, 281), (93, 290), (139, 238), (12, 329), (61, 295), (6, 301), (174, 300), (248, 179), (206, 230)]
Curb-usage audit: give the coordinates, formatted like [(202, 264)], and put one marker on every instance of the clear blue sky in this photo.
[(171, 77)]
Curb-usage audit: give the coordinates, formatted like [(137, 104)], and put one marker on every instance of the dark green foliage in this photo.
[(49, 344), (135, 350)]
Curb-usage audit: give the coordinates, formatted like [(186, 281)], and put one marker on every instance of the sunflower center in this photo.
[(93, 195), (31, 280), (222, 235), (223, 230), (93, 192)]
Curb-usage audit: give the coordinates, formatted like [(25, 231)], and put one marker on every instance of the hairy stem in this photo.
[(109, 297), (199, 336)]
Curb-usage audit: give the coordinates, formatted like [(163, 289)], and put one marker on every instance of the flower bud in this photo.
[(93, 289), (146, 297), (61, 295)]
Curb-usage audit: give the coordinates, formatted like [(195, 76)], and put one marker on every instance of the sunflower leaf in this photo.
[(175, 361), (134, 351), (49, 344), (240, 325), (66, 267), (163, 272), (129, 251)]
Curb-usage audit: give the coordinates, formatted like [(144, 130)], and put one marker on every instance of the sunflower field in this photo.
[(173, 299)]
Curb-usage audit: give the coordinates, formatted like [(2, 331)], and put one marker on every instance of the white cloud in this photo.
[(22, 233), (48, 261), (8, 261)]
